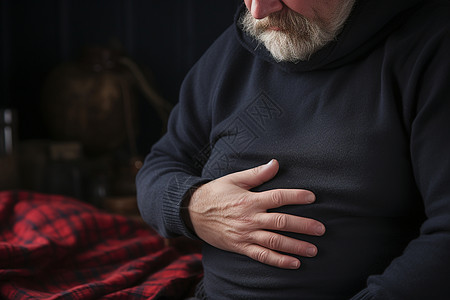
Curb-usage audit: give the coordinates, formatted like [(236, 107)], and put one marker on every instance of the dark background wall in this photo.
[(163, 37)]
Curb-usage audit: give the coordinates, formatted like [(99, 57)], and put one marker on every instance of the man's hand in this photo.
[(225, 214)]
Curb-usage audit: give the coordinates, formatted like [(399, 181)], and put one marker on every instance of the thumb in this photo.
[(254, 177)]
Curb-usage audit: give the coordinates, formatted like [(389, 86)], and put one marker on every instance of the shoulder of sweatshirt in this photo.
[(423, 37), (223, 51)]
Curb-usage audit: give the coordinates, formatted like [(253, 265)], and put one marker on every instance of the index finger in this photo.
[(280, 197)]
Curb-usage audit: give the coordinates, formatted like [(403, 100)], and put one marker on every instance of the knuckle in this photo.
[(274, 242), (255, 171), (281, 261), (306, 226), (246, 237), (262, 255), (277, 198), (300, 248), (242, 230), (241, 207), (281, 222), (244, 201)]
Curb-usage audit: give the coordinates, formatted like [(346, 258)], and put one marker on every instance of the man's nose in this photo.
[(262, 8)]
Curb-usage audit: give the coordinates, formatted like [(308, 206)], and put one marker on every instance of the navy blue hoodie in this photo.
[(364, 124)]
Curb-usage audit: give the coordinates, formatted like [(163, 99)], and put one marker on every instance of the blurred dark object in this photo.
[(34, 158), (8, 152), (63, 173), (122, 197), (124, 205), (91, 101), (52, 167), (8, 131)]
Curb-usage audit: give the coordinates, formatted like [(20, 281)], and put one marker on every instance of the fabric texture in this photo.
[(55, 247), (364, 125)]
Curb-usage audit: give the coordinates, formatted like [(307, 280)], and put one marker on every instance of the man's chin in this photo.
[(282, 47)]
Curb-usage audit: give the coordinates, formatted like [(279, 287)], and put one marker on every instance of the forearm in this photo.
[(160, 195)]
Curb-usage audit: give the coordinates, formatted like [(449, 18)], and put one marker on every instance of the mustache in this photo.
[(287, 21)]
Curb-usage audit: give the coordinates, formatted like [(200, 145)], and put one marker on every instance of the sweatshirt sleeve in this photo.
[(173, 167), (423, 270)]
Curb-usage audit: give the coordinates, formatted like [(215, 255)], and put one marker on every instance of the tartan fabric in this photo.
[(55, 247)]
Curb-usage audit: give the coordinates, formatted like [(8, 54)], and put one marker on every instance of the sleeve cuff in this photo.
[(177, 189)]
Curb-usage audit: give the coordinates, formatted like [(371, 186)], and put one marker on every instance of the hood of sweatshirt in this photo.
[(369, 23)]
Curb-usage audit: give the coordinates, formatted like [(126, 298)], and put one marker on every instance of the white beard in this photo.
[(298, 37)]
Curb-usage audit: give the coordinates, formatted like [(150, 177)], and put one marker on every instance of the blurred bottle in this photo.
[(8, 143)]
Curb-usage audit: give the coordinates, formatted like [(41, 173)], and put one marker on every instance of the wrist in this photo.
[(185, 207)]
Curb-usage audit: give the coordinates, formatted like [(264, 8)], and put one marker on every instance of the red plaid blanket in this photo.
[(55, 247)]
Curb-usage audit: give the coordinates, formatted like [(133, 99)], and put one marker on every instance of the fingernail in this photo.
[(295, 265), (320, 229), (312, 251), (270, 162), (310, 198)]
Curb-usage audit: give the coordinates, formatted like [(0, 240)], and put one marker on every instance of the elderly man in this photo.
[(348, 102)]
